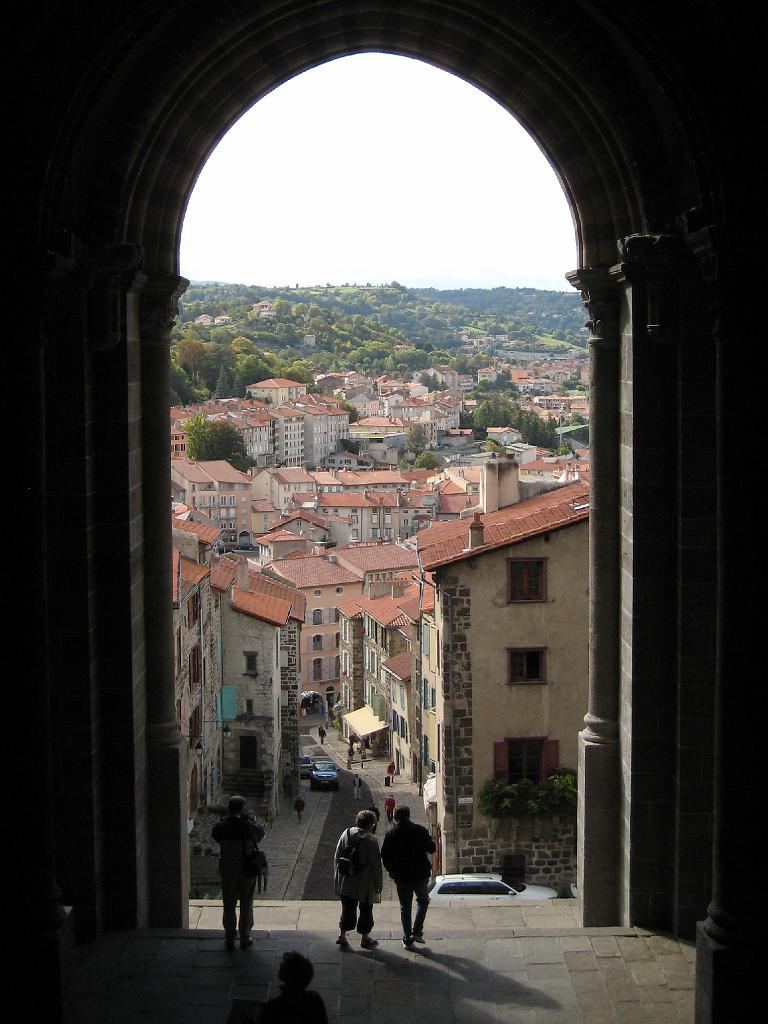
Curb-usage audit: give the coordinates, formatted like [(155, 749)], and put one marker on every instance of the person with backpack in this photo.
[(405, 853), (238, 837), (358, 879)]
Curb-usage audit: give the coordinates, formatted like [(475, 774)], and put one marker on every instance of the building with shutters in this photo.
[(197, 676), (508, 652), (260, 628)]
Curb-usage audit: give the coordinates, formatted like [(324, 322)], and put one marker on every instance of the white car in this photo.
[(486, 889)]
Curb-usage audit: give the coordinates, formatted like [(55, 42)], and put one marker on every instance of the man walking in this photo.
[(321, 733), (357, 786), (358, 879), (404, 853), (238, 837)]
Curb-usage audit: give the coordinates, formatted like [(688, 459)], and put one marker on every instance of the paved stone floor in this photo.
[(519, 966), (481, 965)]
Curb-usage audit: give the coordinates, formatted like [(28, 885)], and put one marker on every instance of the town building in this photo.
[(277, 390), (261, 622), (511, 609), (218, 490)]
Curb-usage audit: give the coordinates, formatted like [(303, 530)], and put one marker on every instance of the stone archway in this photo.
[(634, 156)]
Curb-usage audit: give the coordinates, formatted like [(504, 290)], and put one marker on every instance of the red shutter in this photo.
[(500, 760), (550, 758)]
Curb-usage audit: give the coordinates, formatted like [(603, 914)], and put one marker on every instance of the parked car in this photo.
[(486, 888), (323, 775), (305, 766)]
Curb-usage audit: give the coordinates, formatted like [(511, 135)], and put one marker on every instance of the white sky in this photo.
[(375, 168)]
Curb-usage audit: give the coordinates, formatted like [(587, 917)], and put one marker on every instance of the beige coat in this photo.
[(366, 884)]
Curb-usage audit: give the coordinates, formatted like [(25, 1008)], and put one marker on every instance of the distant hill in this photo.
[(373, 328)]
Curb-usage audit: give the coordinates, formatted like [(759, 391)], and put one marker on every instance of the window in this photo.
[(251, 663), (527, 579), (194, 667), (532, 758), (317, 642), (317, 668), (193, 609), (195, 726), (527, 665), (317, 617), (339, 590)]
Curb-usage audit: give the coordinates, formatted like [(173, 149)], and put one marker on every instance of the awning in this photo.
[(429, 791), (363, 722)]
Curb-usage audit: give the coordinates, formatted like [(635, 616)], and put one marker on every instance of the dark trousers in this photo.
[(349, 916), (234, 890), (405, 893)]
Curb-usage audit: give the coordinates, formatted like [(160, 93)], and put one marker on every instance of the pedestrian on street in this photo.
[(391, 771), (358, 879), (357, 786), (298, 806), (238, 837), (389, 807), (295, 1003), (405, 853), (321, 734), (375, 810)]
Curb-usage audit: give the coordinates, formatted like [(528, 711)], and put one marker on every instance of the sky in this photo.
[(374, 168)]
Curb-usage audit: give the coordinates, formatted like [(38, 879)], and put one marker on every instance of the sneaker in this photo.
[(368, 943), (418, 938), (408, 943)]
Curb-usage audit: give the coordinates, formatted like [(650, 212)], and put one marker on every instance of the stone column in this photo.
[(727, 972), (166, 748), (598, 849)]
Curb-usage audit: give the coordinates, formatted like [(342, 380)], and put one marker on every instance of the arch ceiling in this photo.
[(152, 108)]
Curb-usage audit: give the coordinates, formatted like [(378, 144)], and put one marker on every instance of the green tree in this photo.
[(416, 439), (426, 461), (213, 440)]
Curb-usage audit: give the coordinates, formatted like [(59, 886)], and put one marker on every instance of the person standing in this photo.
[(358, 879), (238, 837), (389, 807), (404, 853), (357, 786), (321, 733), (298, 806)]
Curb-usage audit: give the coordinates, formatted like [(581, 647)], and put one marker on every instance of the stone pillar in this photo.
[(727, 973), (166, 843), (598, 842)]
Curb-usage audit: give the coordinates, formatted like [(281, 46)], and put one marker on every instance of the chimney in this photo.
[(476, 532), (241, 578)]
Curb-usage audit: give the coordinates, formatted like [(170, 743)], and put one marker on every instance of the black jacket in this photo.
[(404, 852), (236, 836)]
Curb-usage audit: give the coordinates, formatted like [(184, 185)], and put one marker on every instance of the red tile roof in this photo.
[(261, 606), (313, 571), (376, 557), (444, 543), (399, 665), (205, 534)]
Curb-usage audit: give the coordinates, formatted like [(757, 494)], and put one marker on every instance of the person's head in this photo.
[(366, 820), (402, 813), (295, 970), (236, 805)]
